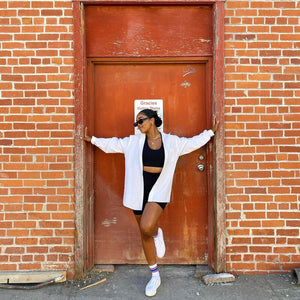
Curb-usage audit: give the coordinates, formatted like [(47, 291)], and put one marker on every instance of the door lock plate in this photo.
[(201, 167)]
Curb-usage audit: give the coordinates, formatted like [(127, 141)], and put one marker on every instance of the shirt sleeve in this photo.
[(111, 145), (188, 145)]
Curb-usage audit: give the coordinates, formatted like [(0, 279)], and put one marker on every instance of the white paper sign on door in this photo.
[(155, 104)]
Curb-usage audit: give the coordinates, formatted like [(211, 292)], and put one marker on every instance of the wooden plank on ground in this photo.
[(30, 277)]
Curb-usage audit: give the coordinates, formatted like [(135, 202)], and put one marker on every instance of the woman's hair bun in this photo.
[(150, 113)]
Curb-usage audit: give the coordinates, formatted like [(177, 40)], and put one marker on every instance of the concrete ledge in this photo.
[(218, 278), (30, 276)]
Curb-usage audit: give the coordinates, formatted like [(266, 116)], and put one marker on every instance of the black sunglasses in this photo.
[(140, 121)]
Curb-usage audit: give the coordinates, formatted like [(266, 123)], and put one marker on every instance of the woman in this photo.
[(150, 161)]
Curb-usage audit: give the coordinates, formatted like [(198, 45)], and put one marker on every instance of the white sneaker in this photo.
[(159, 243), (152, 286)]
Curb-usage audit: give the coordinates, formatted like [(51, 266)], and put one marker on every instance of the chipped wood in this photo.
[(93, 284)]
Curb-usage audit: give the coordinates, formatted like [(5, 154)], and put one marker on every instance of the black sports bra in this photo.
[(153, 158)]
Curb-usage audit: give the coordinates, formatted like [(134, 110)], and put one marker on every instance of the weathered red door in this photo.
[(183, 83)]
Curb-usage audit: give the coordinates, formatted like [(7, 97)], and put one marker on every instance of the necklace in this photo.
[(152, 141), (156, 137)]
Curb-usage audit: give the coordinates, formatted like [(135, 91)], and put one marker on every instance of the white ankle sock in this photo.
[(154, 270)]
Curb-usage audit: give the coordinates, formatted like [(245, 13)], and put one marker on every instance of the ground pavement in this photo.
[(178, 282)]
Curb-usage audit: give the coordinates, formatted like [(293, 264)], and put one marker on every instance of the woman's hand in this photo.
[(86, 137), (215, 125)]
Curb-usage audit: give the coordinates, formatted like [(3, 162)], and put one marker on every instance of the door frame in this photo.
[(84, 199), (92, 62)]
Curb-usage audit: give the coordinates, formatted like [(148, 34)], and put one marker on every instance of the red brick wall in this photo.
[(262, 95), (36, 135), (262, 50)]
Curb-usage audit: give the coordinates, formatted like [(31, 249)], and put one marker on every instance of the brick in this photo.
[(243, 266), (51, 12), (52, 257), (35, 94), (57, 29), (8, 13), (38, 216), (17, 232), (49, 240), (8, 267), (37, 249), (5, 77), (290, 215), (286, 198), (28, 12), (15, 216), (62, 216), (64, 232), (6, 37), (24, 86), (48, 36), (42, 4), (34, 199), (33, 266), (36, 44), (61, 249), (263, 232), (26, 241), (58, 199), (15, 250), (13, 45), (269, 182), (291, 182), (288, 232), (46, 69), (273, 223), (268, 266), (18, 4), (255, 215), (279, 190), (289, 149), (24, 224), (256, 190), (46, 53), (40, 258), (291, 85), (284, 249), (261, 198), (13, 207), (245, 36), (27, 258), (233, 215), (294, 241), (263, 241), (260, 174)]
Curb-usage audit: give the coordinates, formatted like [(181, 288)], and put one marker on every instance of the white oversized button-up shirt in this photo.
[(132, 147)]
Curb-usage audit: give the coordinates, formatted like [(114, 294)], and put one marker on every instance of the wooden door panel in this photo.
[(148, 31), (182, 86)]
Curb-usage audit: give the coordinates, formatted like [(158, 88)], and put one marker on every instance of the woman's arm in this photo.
[(188, 145), (108, 145)]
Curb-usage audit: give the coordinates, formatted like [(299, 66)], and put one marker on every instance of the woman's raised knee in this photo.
[(147, 229)]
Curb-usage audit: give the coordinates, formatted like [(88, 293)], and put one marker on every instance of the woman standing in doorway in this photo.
[(150, 161)]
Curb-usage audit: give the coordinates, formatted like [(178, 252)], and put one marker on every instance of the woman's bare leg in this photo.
[(148, 227)]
